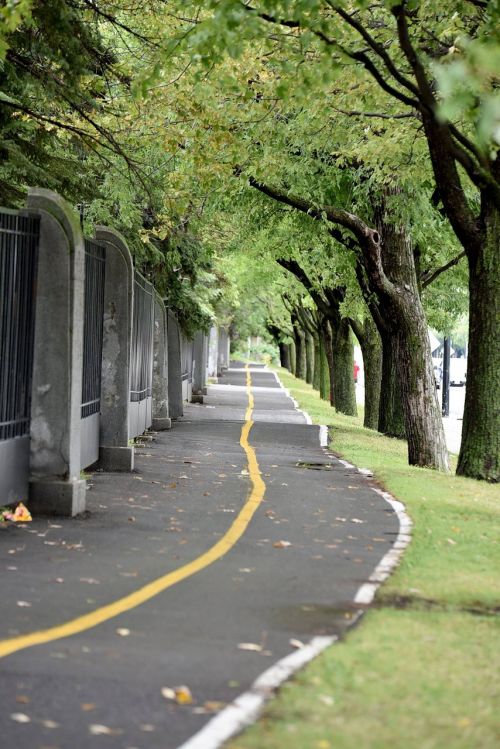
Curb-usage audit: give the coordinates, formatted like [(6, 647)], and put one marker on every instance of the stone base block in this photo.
[(57, 497), (197, 398), (112, 458), (162, 423)]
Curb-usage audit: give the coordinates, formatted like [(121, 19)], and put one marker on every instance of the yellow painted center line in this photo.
[(232, 535)]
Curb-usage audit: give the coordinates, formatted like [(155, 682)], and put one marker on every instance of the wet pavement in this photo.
[(317, 536)]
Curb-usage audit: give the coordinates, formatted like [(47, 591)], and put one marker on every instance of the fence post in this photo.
[(174, 367), (199, 368), (222, 351), (213, 344), (115, 453), (161, 419), (55, 484)]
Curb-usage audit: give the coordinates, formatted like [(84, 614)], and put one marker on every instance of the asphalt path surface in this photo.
[(314, 540)]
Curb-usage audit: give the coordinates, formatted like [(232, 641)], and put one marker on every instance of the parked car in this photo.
[(458, 371)]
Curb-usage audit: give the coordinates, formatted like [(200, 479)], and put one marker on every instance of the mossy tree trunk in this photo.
[(371, 349), (343, 366), (292, 355), (480, 449), (284, 355), (300, 348), (391, 417), (309, 345), (317, 364), (390, 266)]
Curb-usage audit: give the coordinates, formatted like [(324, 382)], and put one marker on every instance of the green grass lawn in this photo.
[(422, 669)]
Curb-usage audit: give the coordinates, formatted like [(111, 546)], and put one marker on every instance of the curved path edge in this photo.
[(248, 706)]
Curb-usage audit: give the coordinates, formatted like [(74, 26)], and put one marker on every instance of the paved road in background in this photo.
[(316, 537)]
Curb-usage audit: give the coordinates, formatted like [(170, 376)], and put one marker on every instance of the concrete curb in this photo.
[(248, 707)]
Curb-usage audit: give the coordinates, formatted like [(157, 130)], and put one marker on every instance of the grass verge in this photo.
[(421, 672)]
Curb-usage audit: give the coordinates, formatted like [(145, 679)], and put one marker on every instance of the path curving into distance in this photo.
[(237, 535)]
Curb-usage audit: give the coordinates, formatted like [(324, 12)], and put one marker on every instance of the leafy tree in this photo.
[(429, 74)]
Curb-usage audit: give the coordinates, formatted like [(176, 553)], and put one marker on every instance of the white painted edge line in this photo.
[(247, 708)]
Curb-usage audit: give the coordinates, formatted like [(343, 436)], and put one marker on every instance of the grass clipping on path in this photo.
[(422, 670)]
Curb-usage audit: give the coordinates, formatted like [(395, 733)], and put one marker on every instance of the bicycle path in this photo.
[(311, 541)]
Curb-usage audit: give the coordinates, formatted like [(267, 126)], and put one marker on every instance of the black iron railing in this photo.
[(141, 365), (18, 269), (95, 264)]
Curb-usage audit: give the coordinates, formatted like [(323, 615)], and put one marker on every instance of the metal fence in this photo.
[(19, 236), (95, 267), (141, 364)]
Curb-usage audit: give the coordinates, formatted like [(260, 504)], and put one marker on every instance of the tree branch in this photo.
[(429, 276)]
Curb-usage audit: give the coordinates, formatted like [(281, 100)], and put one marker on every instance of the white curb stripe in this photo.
[(247, 707)]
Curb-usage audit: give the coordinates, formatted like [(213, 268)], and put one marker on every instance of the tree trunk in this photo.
[(480, 449), (343, 367), (324, 378), (402, 310), (309, 347), (284, 355), (391, 417), (371, 348), (327, 345), (317, 364), (300, 353), (293, 358)]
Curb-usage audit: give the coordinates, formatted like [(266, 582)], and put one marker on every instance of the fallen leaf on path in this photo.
[(182, 695), (123, 631), (24, 604), (250, 646), (131, 519), (244, 472), (90, 580), (183, 476), (296, 643), (50, 724), (281, 544), (356, 520), (96, 729), (172, 485), (20, 718), (88, 706), (147, 727), (22, 699), (212, 706)]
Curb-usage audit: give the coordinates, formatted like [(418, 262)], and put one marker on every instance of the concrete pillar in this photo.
[(174, 367), (55, 484), (213, 344), (199, 368), (161, 419), (222, 351), (115, 453)]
